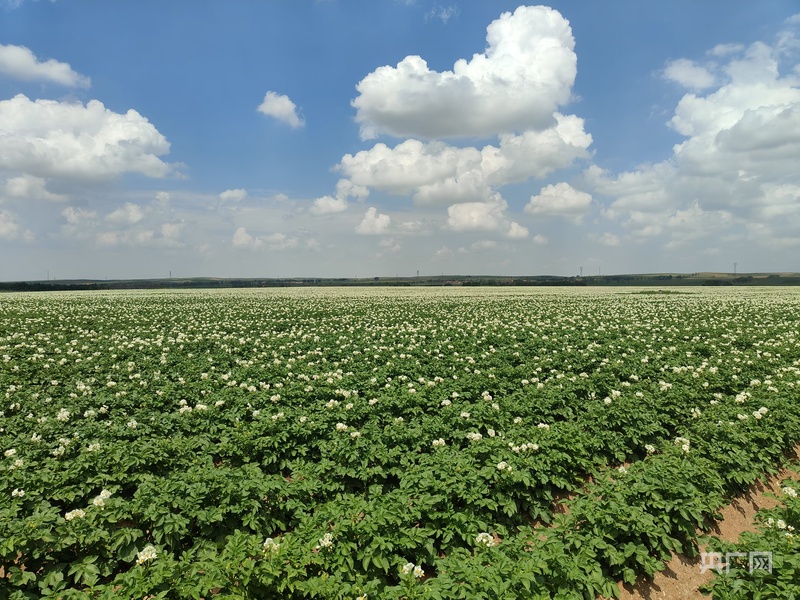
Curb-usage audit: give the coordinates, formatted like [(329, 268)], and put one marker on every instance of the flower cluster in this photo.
[(78, 513), (325, 542), (147, 553), (410, 567), (523, 447), (271, 545), (100, 500), (683, 443), (485, 539)]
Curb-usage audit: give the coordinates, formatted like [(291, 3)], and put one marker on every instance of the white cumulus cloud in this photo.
[(689, 74), (735, 172), (477, 216), (606, 239), (273, 241), (328, 205), (540, 240), (561, 200), (374, 223), (9, 228), (438, 173), (20, 63), (31, 188), (127, 214), (236, 195), (517, 231), (281, 108), (526, 72), (46, 138)]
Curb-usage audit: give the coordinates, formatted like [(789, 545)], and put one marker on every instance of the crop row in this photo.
[(281, 444)]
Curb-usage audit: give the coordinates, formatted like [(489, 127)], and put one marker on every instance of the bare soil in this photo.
[(682, 576)]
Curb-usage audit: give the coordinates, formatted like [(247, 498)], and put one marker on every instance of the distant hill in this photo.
[(646, 279)]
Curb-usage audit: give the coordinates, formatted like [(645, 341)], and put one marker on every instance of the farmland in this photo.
[(380, 443)]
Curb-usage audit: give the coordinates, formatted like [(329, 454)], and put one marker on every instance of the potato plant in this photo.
[(396, 443)]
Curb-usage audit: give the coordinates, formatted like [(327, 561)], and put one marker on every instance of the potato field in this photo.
[(384, 443)]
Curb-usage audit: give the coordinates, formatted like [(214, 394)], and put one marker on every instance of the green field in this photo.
[(380, 443)]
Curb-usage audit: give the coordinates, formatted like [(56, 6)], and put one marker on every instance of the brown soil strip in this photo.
[(682, 575)]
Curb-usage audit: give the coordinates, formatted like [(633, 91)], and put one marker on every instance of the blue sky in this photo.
[(356, 139)]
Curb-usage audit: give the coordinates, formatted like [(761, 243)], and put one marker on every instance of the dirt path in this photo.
[(682, 576)]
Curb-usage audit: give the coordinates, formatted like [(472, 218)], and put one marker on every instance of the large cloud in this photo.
[(438, 173), (46, 138), (20, 63), (526, 72), (736, 168)]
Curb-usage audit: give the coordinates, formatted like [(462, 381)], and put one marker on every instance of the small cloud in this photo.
[(170, 232), (274, 241), (242, 239), (20, 63), (561, 200), (484, 245), (540, 240), (327, 205), (476, 216), (281, 108), (390, 246), (77, 216), (162, 199), (109, 239), (443, 252), (415, 227), (347, 189), (517, 231), (689, 74), (127, 214), (31, 188), (236, 195), (721, 50), (9, 228), (374, 223), (606, 239), (442, 13)]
